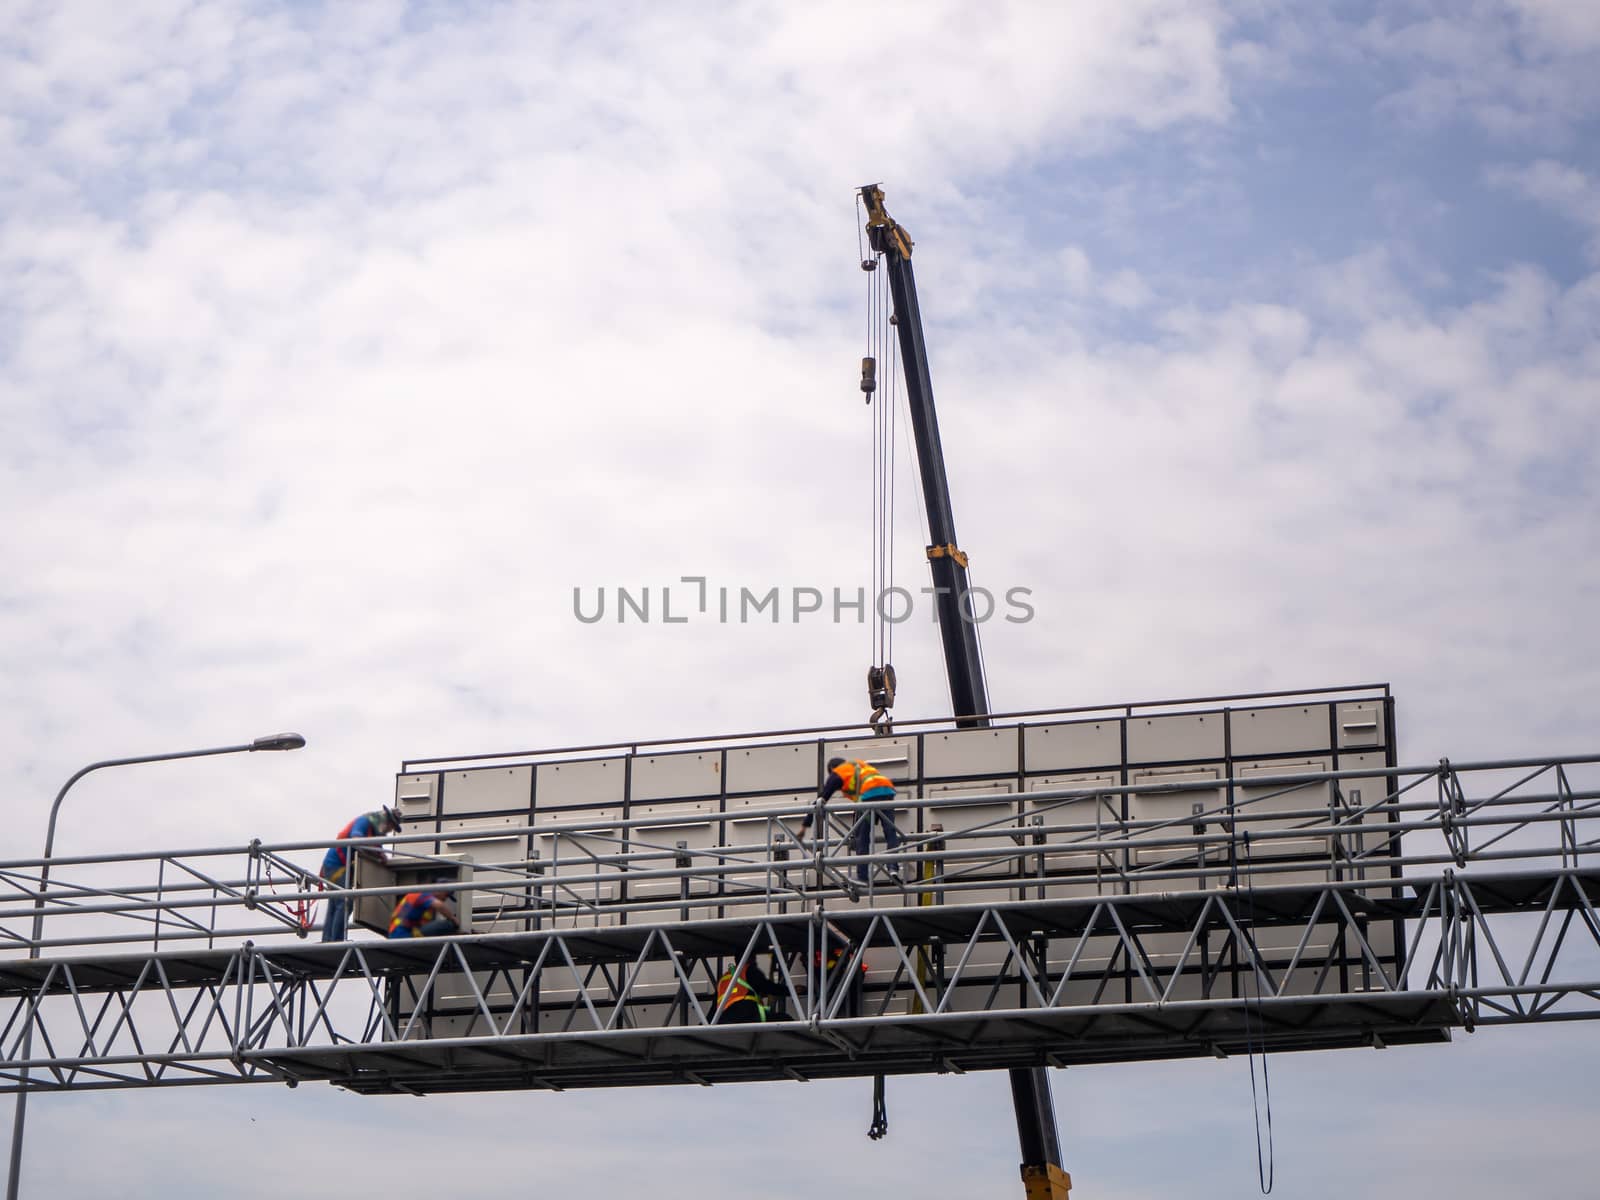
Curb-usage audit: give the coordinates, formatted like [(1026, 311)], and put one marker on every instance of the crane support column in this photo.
[(1042, 1175)]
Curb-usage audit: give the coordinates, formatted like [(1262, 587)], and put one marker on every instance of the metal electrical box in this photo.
[(414, 874)]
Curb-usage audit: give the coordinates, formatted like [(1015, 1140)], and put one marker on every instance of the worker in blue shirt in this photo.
[(423, 914), (336, 864)]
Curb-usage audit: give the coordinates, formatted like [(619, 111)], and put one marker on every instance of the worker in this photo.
[(862, 782), (741, 998), (423, 914), (335, 865)]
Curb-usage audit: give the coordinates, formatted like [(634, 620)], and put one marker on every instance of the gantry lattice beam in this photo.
[(633, 1004), (1463, 896)]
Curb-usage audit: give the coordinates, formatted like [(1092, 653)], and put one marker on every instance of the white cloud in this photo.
[(1522, 71), (1570, 26), (1564, 188), (1348, 489)]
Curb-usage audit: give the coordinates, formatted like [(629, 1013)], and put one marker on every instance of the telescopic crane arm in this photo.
[(1030, 1087)]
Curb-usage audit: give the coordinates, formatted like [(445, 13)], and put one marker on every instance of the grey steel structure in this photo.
[(1147, 881)]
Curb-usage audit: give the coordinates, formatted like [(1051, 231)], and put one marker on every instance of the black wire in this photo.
[(880, 1111), (977, 633), (1266, 1170)]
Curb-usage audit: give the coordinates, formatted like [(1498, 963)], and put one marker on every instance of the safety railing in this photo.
[(1240, 834), (1463, 895)]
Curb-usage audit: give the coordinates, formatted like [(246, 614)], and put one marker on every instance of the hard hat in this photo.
[(393, 814)]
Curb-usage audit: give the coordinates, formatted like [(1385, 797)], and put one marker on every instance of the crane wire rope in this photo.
[(967, 610), (881, 347), (869, 265), (880, 344), (886, 422), (879, 471)]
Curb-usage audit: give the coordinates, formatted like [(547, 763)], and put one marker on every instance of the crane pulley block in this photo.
[(884, 233), (880, 694), (880, 686)]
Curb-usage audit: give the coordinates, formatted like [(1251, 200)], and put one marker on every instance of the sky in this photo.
[(340, 345)]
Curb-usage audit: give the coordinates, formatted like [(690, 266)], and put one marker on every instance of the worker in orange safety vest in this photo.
[(741, 996), (863, 782)]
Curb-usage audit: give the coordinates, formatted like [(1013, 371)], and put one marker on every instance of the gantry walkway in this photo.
[(1452, 897)]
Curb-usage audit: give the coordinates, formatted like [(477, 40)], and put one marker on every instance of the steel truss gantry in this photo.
[(1487, 917)]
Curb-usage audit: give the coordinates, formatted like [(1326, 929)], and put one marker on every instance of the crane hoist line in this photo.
[(884, 235), (881, 681), (1042, 1174)]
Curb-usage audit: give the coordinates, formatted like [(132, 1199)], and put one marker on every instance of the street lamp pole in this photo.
[(276, 741)]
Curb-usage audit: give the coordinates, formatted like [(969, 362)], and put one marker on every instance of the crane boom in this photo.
[(969, 698)]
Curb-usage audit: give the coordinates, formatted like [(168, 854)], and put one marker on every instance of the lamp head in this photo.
[(278, 741)]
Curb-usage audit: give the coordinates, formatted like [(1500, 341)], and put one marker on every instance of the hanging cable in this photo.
[(972, 615), (1265, 1167), (880, 1111)]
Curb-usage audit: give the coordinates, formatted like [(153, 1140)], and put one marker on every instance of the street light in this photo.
[(275, 741)]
